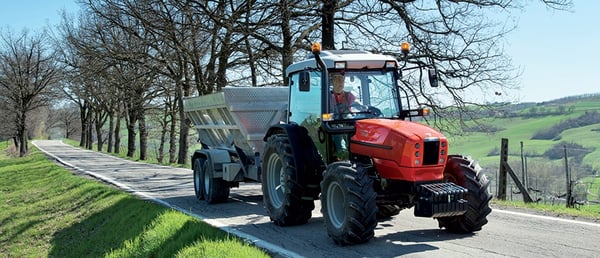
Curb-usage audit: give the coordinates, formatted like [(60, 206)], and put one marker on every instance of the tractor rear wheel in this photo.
[(348, 204), (214, 189), (467, 173), (198, 178), (281, 192)]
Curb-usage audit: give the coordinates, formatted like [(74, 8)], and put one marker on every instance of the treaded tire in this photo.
[(348, 204), (214, 189), (282, 195), (386, 211), (465, 172), (198, 178)]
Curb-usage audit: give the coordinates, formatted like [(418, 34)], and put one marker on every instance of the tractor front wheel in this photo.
[(465, 172), (348, 204)]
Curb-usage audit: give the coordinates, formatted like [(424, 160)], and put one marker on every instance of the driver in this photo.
[(340, 104), (342, 100)]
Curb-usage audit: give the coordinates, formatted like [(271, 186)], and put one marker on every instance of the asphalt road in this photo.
[(508, 233)]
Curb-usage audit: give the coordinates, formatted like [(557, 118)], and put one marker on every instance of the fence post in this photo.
[(502, 171), (569, 202)]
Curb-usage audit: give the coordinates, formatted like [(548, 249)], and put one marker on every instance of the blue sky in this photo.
[(558, 52)]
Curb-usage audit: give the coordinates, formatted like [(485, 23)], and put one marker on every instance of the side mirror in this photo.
[(433, 78), (304, 81)]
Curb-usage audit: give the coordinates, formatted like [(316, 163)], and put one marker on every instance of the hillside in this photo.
[(545, 130)]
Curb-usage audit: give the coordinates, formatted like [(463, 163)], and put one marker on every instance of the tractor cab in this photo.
[(356, 85)]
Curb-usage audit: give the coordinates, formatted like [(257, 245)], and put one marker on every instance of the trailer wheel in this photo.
[(465, 172), (281, 193), (348, 204), (214, 189), (198, 178)]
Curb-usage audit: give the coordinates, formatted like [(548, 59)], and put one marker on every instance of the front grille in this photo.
[(431, 152)]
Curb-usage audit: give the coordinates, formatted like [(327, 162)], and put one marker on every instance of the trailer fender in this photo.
[(215, 157)]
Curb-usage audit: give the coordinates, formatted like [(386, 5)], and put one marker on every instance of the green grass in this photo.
[(45, 210), (584, 211), (549, 173), (518, 129)]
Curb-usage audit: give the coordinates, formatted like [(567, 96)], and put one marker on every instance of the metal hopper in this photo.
[(237, 116)]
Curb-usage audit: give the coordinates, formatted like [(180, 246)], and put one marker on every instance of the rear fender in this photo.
[(307, 159)]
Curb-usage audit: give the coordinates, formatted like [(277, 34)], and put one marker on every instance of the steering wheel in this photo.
[(364, 109), (375, 111)]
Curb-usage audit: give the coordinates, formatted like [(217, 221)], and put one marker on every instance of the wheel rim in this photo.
[(275, 180), (207, 178), (335, 205)]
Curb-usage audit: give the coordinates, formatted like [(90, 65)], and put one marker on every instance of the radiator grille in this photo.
[(431, 152)]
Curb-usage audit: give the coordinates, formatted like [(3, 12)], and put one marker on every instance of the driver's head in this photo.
[(338, 82)]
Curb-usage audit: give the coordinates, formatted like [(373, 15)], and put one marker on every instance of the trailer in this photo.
[(231, 126)]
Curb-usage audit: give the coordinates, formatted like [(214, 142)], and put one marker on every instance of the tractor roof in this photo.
[(355, 59)]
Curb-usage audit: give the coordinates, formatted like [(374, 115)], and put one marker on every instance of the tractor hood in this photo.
[(399, 144)]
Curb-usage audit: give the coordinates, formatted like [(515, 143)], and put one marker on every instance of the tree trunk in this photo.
[(16, 142), (84, 122), (89, 135), (23, 148), (184, 129), (172, 139), (327, 15), (22, 134), (117, 146), (287, 48), (98, 126), (164, 125), (143, 137), (111, 130), (131, 139)]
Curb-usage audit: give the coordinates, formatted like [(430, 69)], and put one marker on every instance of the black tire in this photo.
[(386, 211), (282, 195), (198, 177), (467, 173), (348, 204), (214, 189)]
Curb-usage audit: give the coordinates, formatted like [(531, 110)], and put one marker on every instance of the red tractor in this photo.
[(359, 152)]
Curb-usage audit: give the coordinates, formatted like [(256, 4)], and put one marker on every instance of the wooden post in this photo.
[(502, 171), (522, 165), (569, 204)]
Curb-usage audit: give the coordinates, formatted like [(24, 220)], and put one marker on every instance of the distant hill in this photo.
[(546, 130)]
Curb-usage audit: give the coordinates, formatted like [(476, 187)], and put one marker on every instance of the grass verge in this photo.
[(584, 212), (45, 210)]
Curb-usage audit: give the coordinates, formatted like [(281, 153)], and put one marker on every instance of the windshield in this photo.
[(363, 94), (372, 92)]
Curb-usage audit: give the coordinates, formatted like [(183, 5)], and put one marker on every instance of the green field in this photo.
[(46, 210), (485, 146)]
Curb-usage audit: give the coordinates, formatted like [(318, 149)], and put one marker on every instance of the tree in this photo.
[(460, 39), (29, 76)]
